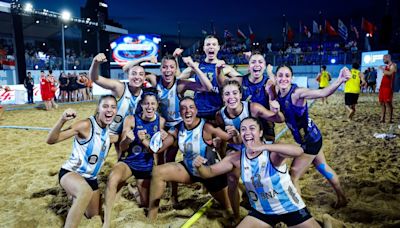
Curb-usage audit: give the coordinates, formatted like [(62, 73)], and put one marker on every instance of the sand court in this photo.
[(369, 170)]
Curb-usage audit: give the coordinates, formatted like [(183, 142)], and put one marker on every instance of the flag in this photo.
[(354, 29), (342, 29), (315, 27), (252, 36), (329, 29), (368, 26), (240, 34), (290, 33), (307, 31)]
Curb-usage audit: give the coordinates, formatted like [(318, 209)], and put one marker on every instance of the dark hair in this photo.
[(186, 98), (29, 72), (50, 71), (42, 71), (103, 97), (210, 37), (356, 65), (149, 92), (256, 52), (284, 65), (323, 67), (231, 82), (168, 57), (255, 120)]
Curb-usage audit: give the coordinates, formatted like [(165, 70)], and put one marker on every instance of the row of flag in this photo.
[(239, 33), (342, 30)]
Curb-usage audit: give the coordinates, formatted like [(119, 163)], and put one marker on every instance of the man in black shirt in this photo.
[(29, 83)]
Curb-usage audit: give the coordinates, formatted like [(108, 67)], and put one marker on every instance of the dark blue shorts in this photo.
[(290, 219)]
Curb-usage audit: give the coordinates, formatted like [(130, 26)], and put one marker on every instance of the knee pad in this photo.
[(324, 172)]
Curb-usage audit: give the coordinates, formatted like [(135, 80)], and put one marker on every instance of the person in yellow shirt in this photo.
[(323, 79), (352, 89)]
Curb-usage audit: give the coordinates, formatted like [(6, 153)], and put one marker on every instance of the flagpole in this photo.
[(179, 34), (320, 41), (284, 31)]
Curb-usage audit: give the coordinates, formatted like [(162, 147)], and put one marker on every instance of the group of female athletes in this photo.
[(225, 132)]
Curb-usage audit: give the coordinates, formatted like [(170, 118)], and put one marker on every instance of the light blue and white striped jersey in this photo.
[(88, 156), (126, 105), (270, 189), (228, 121), (169, 103), (237, 119), (192, 144)]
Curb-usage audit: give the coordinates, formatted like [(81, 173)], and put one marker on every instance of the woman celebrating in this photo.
[(229, 118), (128, 93), (194, 138), (137, 153), (271, 193), (78, 175), (253, 85), (293, 103)]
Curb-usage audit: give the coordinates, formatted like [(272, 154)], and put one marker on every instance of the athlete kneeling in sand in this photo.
[(272, 194), (78, 175), (138, 145), (194, 138)]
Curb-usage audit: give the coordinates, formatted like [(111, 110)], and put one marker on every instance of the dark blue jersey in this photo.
[(137, 157), (208, 103), (296, 118), (255, 92)]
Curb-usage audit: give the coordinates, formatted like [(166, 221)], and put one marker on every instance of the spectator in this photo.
[(29, 83)]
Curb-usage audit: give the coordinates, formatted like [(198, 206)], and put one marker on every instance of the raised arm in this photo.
[(273, 115), (278, 151), (80, 128), (177, 53), (304, 93), (205, 83), (130, 64), (115, 86), (186, 73), (270, 86), (127, 135)]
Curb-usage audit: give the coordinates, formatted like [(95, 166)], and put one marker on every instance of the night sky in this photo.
[(264, 17)]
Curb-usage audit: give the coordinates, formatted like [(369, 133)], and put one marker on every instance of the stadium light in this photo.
[(333, 60), (37, 21), (28, 7), (65, 15)]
